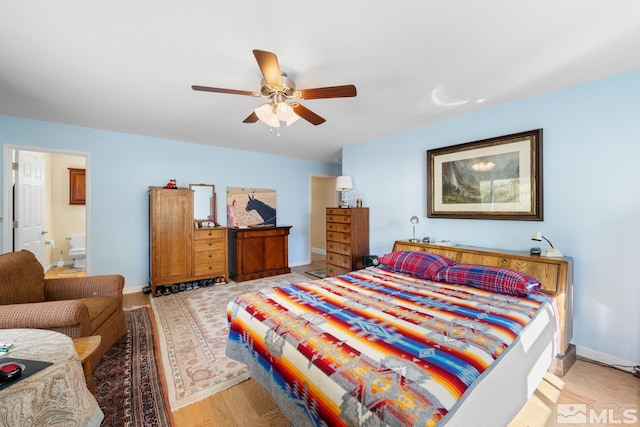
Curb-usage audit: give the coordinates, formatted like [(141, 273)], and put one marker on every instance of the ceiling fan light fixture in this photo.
[(278, 88), (294, 117), (266, 114), (284, 111)]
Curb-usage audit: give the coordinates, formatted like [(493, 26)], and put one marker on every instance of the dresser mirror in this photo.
[(204, 205)]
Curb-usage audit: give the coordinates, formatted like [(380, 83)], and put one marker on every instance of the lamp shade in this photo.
[(266, 114), (343, 183), (284, 111), (292, 119)]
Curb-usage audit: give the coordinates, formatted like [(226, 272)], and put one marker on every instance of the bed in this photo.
[(403, 343)]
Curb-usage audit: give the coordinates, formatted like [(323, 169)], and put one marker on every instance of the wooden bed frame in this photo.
[(555, 275)]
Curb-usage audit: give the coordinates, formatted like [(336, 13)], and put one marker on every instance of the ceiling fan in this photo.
[(280, 89)]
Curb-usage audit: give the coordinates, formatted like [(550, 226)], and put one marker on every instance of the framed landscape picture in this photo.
[(495, 178)]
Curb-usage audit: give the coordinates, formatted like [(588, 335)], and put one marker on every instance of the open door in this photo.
[(323, 195), (29, 204)]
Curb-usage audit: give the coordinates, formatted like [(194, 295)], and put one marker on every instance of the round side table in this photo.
[(52, 395)]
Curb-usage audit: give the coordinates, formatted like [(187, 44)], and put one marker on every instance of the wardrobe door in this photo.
[(171, 228)]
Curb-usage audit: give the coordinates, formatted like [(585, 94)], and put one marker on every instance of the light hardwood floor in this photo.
[(249, 404)]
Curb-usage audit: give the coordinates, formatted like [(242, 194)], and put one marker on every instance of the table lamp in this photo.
[(414, 220), (549, 253), (343, 184)]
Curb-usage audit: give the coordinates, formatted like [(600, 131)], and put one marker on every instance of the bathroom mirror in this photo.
[(204, 205)]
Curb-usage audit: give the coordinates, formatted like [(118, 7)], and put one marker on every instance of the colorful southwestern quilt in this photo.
[(373, 347)]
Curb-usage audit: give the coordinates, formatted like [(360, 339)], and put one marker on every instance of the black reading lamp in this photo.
[(549, 253)]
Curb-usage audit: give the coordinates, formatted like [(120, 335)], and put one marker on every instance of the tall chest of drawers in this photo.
[(347, 239)]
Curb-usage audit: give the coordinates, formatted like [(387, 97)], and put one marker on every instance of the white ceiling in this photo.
[(128, 66)]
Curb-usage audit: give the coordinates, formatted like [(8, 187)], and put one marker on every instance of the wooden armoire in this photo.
[(178, 252)]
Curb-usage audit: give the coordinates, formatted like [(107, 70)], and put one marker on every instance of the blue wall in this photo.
[(591, 196), (123, 166)]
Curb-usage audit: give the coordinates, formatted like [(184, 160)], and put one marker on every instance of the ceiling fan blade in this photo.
[(252, 118), (268, 63), (221, 90), (345, 91), (308, 115)]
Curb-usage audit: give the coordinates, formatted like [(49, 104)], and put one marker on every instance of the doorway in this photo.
[(323, 195), (60, 219)]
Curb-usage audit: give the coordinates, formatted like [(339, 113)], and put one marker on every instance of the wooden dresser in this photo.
[(178, 253), (555, 276), (347, 239), (210, 253), (258, 252)]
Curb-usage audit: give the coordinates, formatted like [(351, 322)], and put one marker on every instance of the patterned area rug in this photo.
[(192, 330), (127, 383)]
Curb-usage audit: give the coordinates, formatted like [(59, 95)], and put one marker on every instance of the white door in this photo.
[(29, 204)]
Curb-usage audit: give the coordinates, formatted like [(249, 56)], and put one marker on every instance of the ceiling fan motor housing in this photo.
[(287, 89)]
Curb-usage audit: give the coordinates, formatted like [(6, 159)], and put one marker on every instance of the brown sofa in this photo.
[(74, 306)]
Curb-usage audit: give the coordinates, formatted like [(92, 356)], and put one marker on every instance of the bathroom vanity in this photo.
[(183, 250)]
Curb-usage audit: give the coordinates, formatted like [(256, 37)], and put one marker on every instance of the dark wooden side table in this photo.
[(258, 252), (85, 347)]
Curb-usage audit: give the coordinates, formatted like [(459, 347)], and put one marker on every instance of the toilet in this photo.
[(78, 250)]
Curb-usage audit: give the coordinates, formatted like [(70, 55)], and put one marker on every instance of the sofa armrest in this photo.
[(56, 315), (65, 288)]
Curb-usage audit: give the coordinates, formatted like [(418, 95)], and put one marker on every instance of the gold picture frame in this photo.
[(495, 178)]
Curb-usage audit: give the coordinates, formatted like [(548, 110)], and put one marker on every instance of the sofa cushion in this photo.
[(21, 278)]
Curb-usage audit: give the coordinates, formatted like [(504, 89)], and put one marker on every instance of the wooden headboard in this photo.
[(555, 276)]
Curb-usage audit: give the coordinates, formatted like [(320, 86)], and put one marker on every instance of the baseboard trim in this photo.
[(608, 359), (132, 289), (560, 365)]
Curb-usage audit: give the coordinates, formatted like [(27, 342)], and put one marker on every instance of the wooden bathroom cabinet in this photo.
[(77, 186)]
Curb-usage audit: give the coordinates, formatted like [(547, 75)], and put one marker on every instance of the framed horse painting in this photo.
[(251, 207)]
